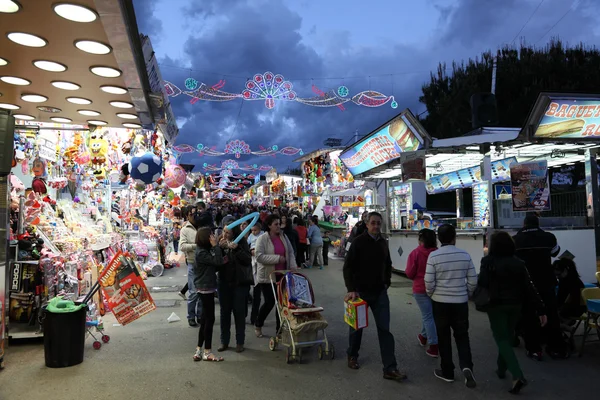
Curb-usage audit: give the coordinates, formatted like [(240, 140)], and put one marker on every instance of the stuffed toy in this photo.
[(98, 146), (39, 171)]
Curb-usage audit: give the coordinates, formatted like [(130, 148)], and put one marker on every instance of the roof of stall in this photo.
[(317, 153), (107, 26), (448, 155)]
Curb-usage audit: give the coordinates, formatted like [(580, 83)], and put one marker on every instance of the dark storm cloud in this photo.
[(148, 23)]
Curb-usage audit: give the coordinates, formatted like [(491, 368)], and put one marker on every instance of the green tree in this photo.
[(521, 75)]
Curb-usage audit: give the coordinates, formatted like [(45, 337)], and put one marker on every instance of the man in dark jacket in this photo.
[(537, 247), (368, 275)]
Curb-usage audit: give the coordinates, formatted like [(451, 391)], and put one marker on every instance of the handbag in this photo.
[(244, 275), (482, 296)]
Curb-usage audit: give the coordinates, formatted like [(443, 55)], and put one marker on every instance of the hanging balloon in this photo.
[(170, 195), (146, 169), (174, 176)]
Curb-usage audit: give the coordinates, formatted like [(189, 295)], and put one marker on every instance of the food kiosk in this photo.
[(490, 178)]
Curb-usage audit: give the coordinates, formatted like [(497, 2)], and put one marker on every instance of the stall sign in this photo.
[(401, 190), (124, 288), (530, 186), (503, 191), (467, 177), (481, 205), (383, 146), (47, 146), (413, 166), (570, 119), (348, 204)]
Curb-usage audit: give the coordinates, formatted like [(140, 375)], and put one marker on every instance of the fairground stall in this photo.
[(490, 178), (82, 125)]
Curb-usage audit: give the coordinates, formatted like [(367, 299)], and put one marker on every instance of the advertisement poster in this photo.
[(465, 178), (47, 146), (124, 288), (381, 147), (530, 186), (413, 166), (481, 205), (570, 119)]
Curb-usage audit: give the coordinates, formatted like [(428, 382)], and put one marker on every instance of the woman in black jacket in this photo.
[(508, 282), (234, 287), (209, 260)]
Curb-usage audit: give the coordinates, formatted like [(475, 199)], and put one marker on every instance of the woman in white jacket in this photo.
[(273, 251)]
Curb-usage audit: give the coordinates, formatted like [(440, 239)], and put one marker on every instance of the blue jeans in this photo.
[(428, 330), (194, 305), (233, 299), (380, 308)]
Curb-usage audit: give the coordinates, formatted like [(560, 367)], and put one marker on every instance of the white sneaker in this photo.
[(469, 378), (182, 295)]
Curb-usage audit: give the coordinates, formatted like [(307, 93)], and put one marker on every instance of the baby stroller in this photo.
[(301, 320)]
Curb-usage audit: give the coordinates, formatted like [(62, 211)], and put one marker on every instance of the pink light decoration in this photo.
[(269, 87), (237, 147)]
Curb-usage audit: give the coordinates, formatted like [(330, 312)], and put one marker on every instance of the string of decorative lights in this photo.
[(237, 148)]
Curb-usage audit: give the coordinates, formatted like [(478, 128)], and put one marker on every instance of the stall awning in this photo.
[(348, 192), (317, 153)]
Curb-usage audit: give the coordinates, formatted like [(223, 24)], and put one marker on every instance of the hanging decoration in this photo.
[(174, 176), (232, 164), (271, 88), (146, 169), (238, 149)]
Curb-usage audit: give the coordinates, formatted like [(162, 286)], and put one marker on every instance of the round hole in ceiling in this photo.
[(105, 72), (51, 66), (127, 116), (26, 39), (15, 80), (9, 6), (66, 85), (93, 47), (121, 104), (78, 100), (89, 113), (25, 117), (113, 89), (131, 125), (74, 12), (3, 61), (48, 109), (97, 122), (8, 106), (61, 119), (33, 98)]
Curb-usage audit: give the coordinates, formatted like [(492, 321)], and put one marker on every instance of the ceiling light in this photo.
[(130, 125), (78, 100), (61, 119), (34, 98), (24, 117), (9, 6), (126, 116), (97, 122), (93, 47), (105, 72), (113, 89), (50, 66), (3, 61), (75, 13), (121, 104), (48, 109), (7, 106), (14, 80), (66, 85), (26, 39), (90, 113)]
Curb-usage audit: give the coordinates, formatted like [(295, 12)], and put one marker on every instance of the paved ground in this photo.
[(152, 359)]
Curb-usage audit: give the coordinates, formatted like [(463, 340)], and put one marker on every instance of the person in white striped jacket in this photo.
[(450, 279)]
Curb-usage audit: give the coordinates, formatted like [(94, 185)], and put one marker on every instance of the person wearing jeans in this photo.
[(450, 280), (316, 244), (415, 270), (367, 275)]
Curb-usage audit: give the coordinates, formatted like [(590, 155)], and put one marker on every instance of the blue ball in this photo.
[(146, 169)]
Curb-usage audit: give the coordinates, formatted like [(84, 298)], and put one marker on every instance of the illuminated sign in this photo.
[(570, 119), (382, 146), (467, 177)]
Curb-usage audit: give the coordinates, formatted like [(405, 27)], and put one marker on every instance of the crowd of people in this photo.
[(525, 294)]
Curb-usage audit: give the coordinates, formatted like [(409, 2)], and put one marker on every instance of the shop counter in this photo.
[(403, 242)]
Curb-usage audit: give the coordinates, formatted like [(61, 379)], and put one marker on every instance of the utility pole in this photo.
[(494, 69)]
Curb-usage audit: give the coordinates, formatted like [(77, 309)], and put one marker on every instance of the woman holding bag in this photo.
[(235, 278), (506, 286)]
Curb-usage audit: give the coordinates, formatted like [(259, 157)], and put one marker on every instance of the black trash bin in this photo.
[(64, 337)]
